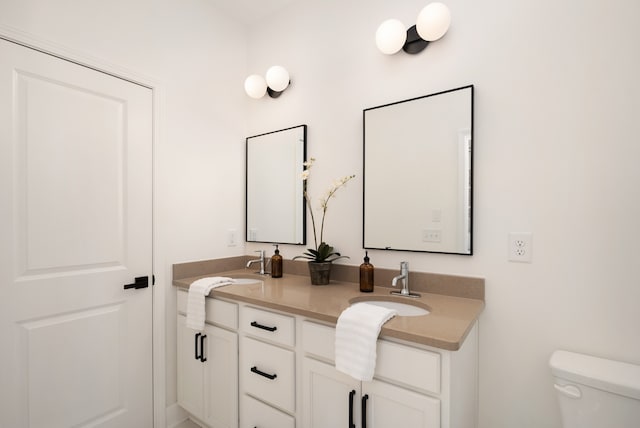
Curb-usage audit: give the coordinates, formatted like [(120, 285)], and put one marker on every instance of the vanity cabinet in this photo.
[(412, 386), (208, 365), (272, 369)]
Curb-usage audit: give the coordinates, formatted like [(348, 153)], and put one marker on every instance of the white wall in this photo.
[(556, 153), (199, 58), (557, 96)]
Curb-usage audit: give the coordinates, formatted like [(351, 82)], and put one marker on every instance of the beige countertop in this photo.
[(449, 320)]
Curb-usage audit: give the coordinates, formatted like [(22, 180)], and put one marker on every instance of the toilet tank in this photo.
[(595, 392)]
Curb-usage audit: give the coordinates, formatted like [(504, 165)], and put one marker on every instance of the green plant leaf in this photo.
[(324, 253)]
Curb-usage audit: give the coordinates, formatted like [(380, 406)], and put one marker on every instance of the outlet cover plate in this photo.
[(232, 238), (520, 247)]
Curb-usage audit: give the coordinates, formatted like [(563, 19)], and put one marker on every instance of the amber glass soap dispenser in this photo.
[(366, 275), (276, 264)]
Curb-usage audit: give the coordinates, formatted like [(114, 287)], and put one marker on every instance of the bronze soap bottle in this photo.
[(276, 264), (366, 275)]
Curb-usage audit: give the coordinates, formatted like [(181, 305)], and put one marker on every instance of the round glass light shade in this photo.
[(255, 86), (277, 78), (391, 36), (433, 21)]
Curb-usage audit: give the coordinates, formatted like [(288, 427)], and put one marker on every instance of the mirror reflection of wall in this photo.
[(275, 209), (418, 174)]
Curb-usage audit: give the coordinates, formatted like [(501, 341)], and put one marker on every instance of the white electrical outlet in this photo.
[(520, 247), (232, 238)]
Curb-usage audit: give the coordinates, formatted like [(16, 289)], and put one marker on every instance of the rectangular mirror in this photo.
[(418, 174), (275, 209)]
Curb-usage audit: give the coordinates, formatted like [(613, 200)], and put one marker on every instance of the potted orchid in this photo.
[(321, 257)]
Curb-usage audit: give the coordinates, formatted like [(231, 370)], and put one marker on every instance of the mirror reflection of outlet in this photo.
[(431, 235), (520, 247), (253, 234)]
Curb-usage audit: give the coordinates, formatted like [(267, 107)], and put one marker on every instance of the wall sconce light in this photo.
[(274, 83), (432, 23)]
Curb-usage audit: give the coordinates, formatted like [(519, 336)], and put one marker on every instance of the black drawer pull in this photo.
[(255, 370), (264, 327), (202, 357), (351, 394), (196, 336), (364, 410)]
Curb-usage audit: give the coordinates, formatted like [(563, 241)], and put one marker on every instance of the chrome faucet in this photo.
[(261, 260), (404, 277)]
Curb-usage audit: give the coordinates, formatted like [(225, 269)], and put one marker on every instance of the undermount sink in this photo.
[(403, 309), (241, 281), (246, 279)]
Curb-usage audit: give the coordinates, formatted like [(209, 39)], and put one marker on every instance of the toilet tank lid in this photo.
[(608, 375)]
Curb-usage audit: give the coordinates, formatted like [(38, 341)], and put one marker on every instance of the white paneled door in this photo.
[(75, 228)]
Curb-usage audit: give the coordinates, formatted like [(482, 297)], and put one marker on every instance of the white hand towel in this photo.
[(198, 290), (356, 335)]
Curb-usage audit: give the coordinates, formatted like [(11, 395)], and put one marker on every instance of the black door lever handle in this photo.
[(140, 282)]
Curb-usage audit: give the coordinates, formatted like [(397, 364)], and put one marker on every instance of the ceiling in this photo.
[(250, 11)]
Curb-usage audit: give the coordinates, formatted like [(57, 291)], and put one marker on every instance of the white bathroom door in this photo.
[(75, 227)]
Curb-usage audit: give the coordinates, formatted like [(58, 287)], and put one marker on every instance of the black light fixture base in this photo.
[(276, 94), (414, 43), (273, 94)]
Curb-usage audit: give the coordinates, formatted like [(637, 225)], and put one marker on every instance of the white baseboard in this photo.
[(175, 415)]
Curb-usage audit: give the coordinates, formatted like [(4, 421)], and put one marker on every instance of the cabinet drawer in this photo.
[(403, 364), (268, 373), (217, 311), (408, 365), (274, 327), (254, 413), (319, 340)]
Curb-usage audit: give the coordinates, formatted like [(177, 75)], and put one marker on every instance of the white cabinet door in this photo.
[(386, 405), (190, 370), (220, 377), (331, 399), (75, 227), (208, 374)]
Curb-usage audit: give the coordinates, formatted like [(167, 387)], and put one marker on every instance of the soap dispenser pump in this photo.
[(276, 264), (366, 275)]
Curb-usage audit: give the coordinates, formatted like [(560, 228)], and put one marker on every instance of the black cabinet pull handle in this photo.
[(364, 410), (351, 394), (255, 370), (202, 357), (196, 356), (264, 327)]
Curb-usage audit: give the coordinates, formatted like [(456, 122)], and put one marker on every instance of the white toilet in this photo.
[(596, 393)]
